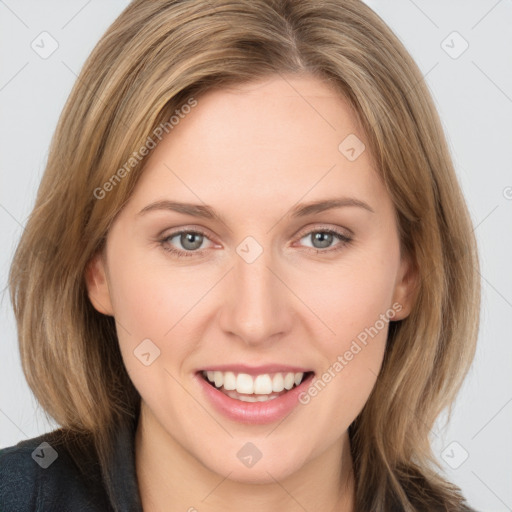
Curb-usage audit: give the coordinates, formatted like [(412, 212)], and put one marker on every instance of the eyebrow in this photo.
[(301, 210)]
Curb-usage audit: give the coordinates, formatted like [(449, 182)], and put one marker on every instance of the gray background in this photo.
[(473, 93)]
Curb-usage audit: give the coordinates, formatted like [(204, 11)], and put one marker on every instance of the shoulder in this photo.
[(50, 472)]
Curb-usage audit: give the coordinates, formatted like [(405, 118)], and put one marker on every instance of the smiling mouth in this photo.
[(259, 388)]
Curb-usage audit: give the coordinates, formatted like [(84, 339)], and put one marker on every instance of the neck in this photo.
[(171, 478)]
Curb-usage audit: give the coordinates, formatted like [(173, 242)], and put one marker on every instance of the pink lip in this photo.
[(256, 370), (254, 413)]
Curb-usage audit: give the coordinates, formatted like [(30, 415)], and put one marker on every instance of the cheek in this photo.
[(149, 304), (348, 297), (146, 306), (355, 301), (149, 300)]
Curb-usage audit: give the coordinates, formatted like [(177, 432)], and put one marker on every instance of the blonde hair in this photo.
[(153, 58)]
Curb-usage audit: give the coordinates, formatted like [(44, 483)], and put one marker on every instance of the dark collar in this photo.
[(121, 479)]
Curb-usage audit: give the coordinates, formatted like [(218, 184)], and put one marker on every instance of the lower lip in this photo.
[(254, 412)]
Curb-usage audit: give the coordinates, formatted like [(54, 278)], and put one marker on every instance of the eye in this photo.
[(190, 241), (323, 239)]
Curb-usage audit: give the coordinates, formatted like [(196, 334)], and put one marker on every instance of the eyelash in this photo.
[(345, 240)]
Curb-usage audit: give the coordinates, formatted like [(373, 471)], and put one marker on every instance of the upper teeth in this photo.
[(259, 385)]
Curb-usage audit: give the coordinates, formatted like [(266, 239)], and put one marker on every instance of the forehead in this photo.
[(276, 139), (278, 112)]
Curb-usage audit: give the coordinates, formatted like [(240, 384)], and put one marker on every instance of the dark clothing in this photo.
[(32, 479)]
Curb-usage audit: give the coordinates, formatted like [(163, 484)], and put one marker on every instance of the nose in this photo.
[(258, 307)]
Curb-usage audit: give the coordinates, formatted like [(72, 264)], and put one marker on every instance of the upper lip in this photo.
[(256, 370)]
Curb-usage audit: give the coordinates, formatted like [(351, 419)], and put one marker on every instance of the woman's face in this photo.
[(254, 281)]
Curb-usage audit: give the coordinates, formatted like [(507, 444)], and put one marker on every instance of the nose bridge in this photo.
[(255, 308)]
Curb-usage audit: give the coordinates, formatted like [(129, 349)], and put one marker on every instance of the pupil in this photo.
[(189, 238), (323, 238)]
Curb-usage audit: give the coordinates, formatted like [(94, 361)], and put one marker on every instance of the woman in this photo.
[(249, 279)]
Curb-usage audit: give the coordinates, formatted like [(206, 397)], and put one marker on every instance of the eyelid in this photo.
[(183, 229), (327, 227)]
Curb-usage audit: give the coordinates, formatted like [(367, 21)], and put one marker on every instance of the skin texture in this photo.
[(251, 153)]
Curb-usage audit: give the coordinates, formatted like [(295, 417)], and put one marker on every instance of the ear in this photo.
[(406, 286), (97, 284)]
